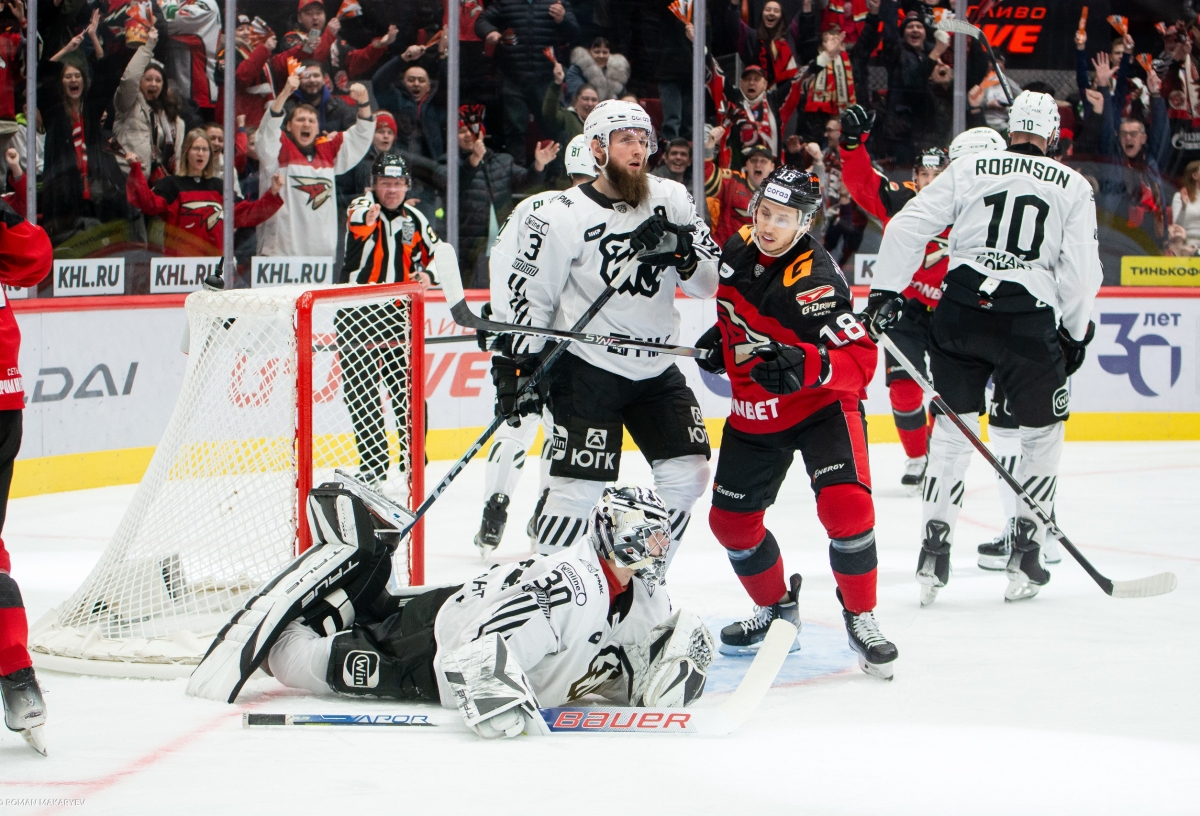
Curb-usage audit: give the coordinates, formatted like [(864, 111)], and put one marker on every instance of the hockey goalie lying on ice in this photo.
[(592, 619)]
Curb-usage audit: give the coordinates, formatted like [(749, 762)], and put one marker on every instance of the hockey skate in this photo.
[(994, 554), (876, 654), (24, 709), (1026, 575), (491, 527), (933, 563), (745, 637), (914, 474)]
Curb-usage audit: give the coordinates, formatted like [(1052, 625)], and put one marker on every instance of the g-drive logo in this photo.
[(1130, 363)]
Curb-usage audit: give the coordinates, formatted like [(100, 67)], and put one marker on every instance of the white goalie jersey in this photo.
[(553, 613), (548, 267), (1016, 217)]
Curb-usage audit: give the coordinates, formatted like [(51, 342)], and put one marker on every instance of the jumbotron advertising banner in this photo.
[(101, 383)]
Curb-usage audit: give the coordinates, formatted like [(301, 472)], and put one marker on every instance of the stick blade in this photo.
[(448, 273), (762, 672), (953, 26), (1148, 587)]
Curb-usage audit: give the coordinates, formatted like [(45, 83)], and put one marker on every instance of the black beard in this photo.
[(633, 188)]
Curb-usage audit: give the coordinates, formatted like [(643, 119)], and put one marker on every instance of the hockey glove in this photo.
[(882, 312), (714, 363), (856, 124), (482, 336), (1074, 350), (786, 369), (511, 376), (490, 689), (683, 257), (649, 233)]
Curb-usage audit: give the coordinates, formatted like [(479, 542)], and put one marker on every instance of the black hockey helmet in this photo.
[(389, 165), (791, 187), (933, 157)]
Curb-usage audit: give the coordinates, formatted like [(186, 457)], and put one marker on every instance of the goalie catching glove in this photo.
[(787, 369), (671, 667), (491, 690)]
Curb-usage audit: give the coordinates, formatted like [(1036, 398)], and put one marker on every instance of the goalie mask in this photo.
[(788, 188), (631, 526)]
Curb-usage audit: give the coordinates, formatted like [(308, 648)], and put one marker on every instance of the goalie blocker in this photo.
[(591, 619)]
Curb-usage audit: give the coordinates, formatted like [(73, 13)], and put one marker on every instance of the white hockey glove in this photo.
[(670, 668), (491, 690)]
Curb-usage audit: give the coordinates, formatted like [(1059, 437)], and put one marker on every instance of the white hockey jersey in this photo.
[(553, 612), (564, 256), (512, 233), (1016, 217), (306, 224)]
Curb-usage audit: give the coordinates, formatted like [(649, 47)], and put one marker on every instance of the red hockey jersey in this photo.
[(25, 259), (799, 299), (882, 198)]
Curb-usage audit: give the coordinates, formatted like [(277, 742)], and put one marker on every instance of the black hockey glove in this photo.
[(857, 122), (882, 312), (649, 233), (683, 257), (714, 363), (511, 376), (782, 368), (1074, 350), (482, 336)]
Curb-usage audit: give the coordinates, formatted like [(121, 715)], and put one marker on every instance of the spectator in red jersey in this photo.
[(25, 259), (255, 86), (195, 30), (191, 201)]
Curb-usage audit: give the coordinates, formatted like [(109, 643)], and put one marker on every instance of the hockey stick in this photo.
[(451, 264), (1159, 584), (955, 26), (463, 316), (716, 721)]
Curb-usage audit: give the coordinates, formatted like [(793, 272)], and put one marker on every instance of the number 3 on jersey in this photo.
[(1016, 221), (851, 330)]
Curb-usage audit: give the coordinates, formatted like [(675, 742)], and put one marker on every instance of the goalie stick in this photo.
[(952, 25), (715, 721), (1152, 585), (463, 316)]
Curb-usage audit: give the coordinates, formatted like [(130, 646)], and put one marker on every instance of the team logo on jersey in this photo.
[(211, 212), (614, 251), (799, 268), (935, 250), (361, 669), (317, 188), (742, 351), (813, 295), (605, 666)]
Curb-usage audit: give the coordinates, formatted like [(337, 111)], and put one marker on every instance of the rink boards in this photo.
[(102, 374)]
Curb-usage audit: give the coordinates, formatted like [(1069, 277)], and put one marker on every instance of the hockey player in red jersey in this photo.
[(799, 362), (192, 201), (25, 257), (882, 198)]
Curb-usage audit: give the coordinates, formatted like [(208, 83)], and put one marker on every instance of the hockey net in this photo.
[(282, 387)]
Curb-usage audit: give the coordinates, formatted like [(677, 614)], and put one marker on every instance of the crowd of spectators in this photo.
[(130, 112)]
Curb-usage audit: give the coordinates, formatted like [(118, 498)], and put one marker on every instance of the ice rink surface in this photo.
[(1068, 703)]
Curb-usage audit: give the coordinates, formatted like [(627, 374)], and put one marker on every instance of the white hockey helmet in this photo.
[(976, 140), (631, 526), (1035, 113), (613, 114), (579, 160)]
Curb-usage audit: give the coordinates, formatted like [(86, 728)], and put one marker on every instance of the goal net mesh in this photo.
[(282, 387)]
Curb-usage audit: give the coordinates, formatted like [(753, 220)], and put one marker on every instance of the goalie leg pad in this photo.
[(490, 689), (336, 561), (671, 666)]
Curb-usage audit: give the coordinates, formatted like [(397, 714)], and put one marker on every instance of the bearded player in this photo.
[(799, 362), (568, 253)]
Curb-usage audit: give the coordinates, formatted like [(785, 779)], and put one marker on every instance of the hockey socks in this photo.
[(848, 514), (14, 628), (908, 409), (753, 553)]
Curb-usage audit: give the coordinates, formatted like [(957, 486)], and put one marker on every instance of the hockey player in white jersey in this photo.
[(572, 248), (1024, 272), (590, 619), (506, 456)]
